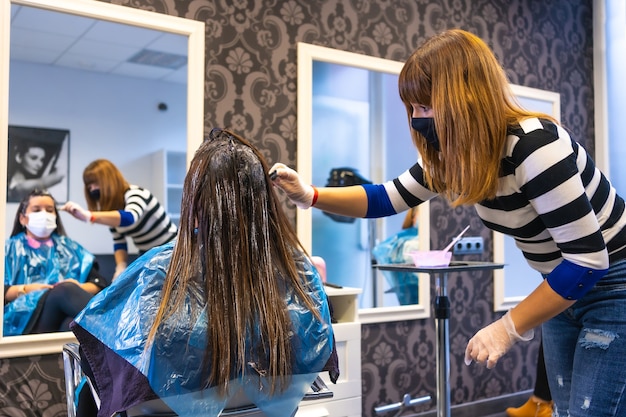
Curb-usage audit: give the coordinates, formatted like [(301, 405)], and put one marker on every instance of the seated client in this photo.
[(48, 277), (233, 304)]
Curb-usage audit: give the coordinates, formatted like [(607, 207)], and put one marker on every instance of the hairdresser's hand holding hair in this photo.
[(131, 212), (528, 178), (351, 200), (77, 211), (299, 192)]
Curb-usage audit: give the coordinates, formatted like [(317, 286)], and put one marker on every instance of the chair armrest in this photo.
[(319, 390)]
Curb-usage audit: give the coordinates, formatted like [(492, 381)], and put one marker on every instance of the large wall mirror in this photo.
[(126, 84), (517, 279), (350, 116)]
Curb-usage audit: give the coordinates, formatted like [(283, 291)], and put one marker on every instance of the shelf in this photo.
[(344, 303), (170, 168)]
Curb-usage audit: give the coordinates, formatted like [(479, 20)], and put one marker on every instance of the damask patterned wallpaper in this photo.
[(251, 87)]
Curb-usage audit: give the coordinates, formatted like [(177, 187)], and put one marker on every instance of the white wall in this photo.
[(108, 117), (616, 94)]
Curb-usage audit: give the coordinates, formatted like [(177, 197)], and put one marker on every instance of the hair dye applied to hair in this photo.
[(235, 249)]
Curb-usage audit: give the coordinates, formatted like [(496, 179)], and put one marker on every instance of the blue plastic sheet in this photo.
[(45, 265), (395, 250), (122, 315)]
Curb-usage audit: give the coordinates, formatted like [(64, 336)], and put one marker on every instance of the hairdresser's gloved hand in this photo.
[(493, 341), (288, 180), (77, 211), (119, 268)]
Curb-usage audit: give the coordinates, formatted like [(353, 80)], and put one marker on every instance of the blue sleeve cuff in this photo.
[(378, 202), (572, 281), (126, 218), (118, 246)]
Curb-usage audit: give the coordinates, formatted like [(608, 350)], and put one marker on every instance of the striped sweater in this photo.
[(151, 224), (552, 200)]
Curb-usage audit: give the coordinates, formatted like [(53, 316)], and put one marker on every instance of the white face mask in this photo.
[(41, 223)]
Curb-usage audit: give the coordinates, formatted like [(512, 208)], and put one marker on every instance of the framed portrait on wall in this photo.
[(38, 158)]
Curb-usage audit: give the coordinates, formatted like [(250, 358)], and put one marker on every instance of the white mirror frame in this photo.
[(308, 53), (501, 302), (52, 342)]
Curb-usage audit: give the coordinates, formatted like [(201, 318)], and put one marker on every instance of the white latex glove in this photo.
[(77, 211), (288, 180), (119, 268), (493, 341)]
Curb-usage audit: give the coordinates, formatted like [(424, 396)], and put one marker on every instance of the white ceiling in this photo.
[(58, 39)]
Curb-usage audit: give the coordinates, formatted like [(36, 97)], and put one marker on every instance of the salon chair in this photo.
[(238, 406)]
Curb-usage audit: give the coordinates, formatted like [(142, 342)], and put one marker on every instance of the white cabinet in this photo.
[(346, 401), (170, 168)]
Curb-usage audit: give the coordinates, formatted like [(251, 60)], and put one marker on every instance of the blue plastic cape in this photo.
[(45, 265), (395, 250), (121, 316)]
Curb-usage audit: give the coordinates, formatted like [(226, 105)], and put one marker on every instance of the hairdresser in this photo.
[(130, 211), (529, 179)]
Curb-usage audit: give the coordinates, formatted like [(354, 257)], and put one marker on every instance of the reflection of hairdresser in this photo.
[(48, 277), (234, 303), (130, 211), (30, 172)]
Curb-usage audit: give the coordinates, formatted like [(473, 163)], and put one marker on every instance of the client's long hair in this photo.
[(237, 247)]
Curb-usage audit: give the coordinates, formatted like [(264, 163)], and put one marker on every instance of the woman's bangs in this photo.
[(89, 177), (414, 86)]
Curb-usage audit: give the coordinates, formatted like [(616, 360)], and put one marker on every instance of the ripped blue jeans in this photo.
[(585, 351)]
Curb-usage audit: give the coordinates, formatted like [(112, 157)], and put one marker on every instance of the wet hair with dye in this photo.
[(236, 250)]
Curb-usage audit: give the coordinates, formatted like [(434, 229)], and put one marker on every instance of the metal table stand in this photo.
[(442, 317)]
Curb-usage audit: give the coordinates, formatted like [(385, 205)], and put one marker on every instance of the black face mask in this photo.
[(426, 126), (95, 194)]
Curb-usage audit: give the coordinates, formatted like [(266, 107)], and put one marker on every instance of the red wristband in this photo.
[(315, 195), (92, 218)]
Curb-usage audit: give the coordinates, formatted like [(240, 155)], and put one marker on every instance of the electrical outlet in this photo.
[(469, 246)]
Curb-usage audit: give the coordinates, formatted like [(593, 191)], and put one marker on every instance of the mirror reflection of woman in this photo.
[(130, 211), (48, 277), (31, 171)]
